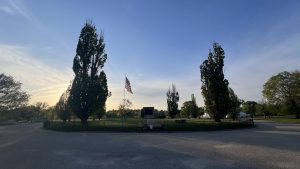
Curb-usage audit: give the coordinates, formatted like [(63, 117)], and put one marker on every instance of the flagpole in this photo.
[(124, 105)]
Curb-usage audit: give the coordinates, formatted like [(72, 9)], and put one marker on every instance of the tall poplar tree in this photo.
[(172, 101), (214, 85), (89, 88)]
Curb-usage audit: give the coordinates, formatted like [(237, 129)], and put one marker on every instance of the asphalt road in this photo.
[(269, 145)]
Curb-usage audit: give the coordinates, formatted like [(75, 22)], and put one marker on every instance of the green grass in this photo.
[(280, 119), (5, 123), (135, 125)]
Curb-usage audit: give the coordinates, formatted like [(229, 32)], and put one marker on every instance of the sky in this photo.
[(154, 43)]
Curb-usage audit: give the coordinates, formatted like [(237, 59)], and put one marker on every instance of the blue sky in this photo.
[(155, 43)]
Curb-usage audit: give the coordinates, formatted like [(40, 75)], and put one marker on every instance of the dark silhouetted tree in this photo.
[(89, 88), (62, 107), (195, 109), (201, 111), (41, 108), (11, 95), (214, 85), (124, 107), (172, 101)]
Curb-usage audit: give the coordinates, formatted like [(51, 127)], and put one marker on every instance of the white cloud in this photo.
[(16, 7), (257, 64), (7, 10), (150, 90), (43, 82), (246, 74)]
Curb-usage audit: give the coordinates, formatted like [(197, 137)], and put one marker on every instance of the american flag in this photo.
[(127, 85)]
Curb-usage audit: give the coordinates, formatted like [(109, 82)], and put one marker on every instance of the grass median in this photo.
[(135, 125), (279, 119)]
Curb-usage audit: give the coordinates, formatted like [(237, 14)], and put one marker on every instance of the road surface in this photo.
[(269, 145)]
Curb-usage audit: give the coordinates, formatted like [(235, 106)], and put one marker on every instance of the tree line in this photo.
[(281, 93), (219, 99), (14, 102), (87, 94)]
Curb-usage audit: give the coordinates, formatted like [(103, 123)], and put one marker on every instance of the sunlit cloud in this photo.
[(246, 76), (246, 69), (43, 82)]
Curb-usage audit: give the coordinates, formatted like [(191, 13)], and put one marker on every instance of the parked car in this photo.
[(242, 116)]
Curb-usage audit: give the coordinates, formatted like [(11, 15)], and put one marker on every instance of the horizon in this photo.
[(156, 44)]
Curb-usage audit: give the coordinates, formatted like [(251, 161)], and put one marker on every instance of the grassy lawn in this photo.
[(136, 125), (5, 123), (280, 119)]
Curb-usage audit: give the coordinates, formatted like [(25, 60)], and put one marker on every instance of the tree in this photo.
[(161, 114), (100, 112), (172, 101), (195, 109), (50, 113), (201, 111), (214, 85), (124, 107), (186, 109), (190, 108), (234, 104), (27, 113), (126, 104), (103, 93), (284, 89), (249, 107), (41, 105), (89, 88), (263, 108), (41, 108), (11, 95), (62, 107), (33, 112)]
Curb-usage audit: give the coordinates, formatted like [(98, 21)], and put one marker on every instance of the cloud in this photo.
[(7, 10), (43, 82), (150, 90), (15, 7), (246, 71), (258, 63)]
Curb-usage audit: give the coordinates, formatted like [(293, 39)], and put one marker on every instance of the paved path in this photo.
[(269, 145)]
